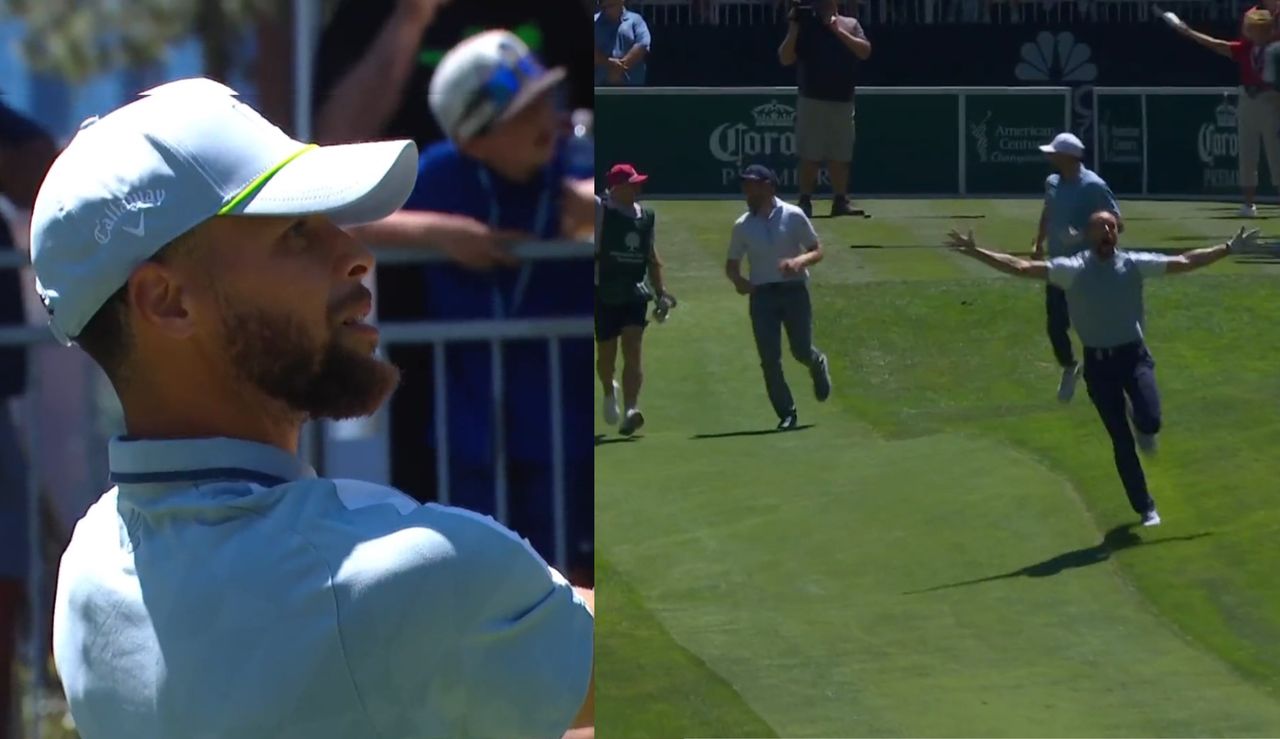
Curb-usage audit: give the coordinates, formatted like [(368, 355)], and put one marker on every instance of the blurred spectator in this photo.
[(1258, 106), (622, 44), (25, 154), (826, 48), (376, 58), (507, 166), (373, 67)]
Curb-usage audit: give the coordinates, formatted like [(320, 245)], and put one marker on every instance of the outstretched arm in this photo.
[(1243, 241), (1216, 45), (1006, 263)]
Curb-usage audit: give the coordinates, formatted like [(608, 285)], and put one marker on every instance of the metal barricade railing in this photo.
[(494, 331), (909, 12)]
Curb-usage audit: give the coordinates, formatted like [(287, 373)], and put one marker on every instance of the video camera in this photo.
[(802, 11)]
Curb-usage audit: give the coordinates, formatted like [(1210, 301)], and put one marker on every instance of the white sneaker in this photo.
[(609, 406), (1067, 385), (632, 423), (1248, 211), (1151, 518)]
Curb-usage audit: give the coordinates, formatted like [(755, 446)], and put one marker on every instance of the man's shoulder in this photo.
[(741, 221), (443, 154), (1053, 179), (1089, 178), (397, 533), (789, 207), (446, 177), (789, 212)]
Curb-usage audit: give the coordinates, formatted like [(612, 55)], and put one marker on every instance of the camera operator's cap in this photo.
[(759, 173), (133, 180), (624, 174), (486, 79), (1065, 143)]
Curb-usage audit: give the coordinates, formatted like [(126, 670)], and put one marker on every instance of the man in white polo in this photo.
[(222, 589), (779, 243), (1072, 193)]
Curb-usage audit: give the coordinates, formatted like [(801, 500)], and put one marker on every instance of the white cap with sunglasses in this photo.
[(486, 79)]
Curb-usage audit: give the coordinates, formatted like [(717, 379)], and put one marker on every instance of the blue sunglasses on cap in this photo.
[(502, 87)]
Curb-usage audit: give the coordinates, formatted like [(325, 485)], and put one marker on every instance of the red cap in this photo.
[(622, 174)]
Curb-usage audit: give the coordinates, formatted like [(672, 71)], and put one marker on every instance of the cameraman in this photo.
[(827, 47)]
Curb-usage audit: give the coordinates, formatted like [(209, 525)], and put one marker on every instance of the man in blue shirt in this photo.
[(25, 153), (622, 45), (1071, 194), (222, 589), (1104, 287), (506, 165)]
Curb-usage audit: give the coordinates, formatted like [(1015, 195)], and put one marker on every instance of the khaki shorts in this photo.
[(824, 130)]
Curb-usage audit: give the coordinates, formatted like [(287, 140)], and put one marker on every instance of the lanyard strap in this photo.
[(540, 224)]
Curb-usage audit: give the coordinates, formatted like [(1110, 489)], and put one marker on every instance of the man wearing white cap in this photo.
[(221, 588), (1071, 194)]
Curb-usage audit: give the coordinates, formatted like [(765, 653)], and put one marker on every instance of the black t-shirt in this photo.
[(825, 68), (556, 30), (15, 130)]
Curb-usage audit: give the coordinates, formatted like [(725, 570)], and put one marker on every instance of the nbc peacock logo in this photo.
[(1056, 57)]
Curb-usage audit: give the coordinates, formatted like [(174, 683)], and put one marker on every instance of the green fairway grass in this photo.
[(944, 549)]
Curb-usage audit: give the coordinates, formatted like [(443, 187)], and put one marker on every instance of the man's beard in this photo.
[(275, 354)]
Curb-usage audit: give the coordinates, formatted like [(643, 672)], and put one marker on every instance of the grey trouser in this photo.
[(774, 305), (1258, 122)]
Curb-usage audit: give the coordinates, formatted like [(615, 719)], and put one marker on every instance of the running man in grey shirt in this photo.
[(779, 243), (1104, 294)]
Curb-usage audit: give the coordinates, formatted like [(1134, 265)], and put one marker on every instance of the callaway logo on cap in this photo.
[(135, 179)]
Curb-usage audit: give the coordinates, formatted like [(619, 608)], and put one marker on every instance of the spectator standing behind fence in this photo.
[(622, 45), (25, 154), (506, 165), (1258, 109), (826, 48), (373, 66)]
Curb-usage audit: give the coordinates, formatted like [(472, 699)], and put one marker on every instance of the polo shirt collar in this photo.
[(168, 462)]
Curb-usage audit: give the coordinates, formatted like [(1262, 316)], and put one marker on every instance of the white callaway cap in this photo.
[(135, 179), (485, 79), (1065, 143)]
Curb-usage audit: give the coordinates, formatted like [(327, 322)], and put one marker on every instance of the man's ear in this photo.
[(160, 300)]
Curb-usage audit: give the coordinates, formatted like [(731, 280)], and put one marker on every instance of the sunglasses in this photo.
[(502, 87)]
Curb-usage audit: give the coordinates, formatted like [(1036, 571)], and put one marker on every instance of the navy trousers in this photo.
[(1112, 375), (1058, 325)]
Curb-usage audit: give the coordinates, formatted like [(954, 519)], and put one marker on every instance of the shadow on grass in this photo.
[(1258, 259), (1118, 538), (757, 432), (601, 439)]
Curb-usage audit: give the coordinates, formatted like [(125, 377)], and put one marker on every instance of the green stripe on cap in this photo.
[(262, 179)]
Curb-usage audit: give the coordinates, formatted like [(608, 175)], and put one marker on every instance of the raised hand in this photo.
[(961, 242), (1244, 241)]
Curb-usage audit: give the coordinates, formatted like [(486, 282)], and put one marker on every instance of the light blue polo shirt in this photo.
[(1070, 203), (1104, 297), (614, 40), (223, 590), (764, 241)]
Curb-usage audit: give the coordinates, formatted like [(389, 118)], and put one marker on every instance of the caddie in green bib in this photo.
[(628, 276)]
